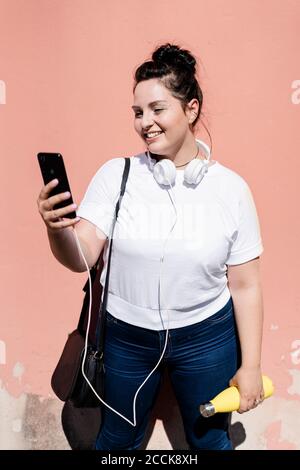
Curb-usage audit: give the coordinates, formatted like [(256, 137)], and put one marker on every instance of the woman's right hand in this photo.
[(54, 219)]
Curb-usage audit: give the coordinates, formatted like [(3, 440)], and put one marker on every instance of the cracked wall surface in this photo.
[(32, 422)]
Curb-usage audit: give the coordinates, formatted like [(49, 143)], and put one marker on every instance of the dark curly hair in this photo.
[(176, 68)]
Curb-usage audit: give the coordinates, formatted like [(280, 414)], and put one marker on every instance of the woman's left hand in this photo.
[(249, 383)]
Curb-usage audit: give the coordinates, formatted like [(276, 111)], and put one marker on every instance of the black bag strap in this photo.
[(95, 273)]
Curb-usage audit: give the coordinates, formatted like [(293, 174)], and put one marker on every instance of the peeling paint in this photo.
[(42, 399), (17, 425), (28, 424), (2, 352), (294, 389), (35, 422), (18, 370), (257, 422), (274, 438), (295, 355)]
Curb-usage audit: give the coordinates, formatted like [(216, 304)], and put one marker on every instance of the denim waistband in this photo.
[(219, 316)]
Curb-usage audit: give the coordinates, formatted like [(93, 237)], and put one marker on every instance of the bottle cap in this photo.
[(207, 410)]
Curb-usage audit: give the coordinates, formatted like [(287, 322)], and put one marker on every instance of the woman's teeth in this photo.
[(152, 134)]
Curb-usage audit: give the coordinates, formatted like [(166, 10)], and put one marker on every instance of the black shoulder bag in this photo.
[(67, 381)]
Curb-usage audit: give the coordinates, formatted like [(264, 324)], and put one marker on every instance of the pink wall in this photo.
[(66, 74)]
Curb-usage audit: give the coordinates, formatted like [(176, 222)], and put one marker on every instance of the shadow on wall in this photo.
[(81, 425)]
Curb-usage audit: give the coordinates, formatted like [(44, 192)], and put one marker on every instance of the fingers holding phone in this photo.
[(53, 209), (55, 200)]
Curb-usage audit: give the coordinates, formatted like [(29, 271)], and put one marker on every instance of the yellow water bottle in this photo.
[(229, 399)]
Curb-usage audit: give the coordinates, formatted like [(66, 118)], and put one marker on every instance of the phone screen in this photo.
[(52, 166)]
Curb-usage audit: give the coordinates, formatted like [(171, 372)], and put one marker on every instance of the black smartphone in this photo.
[(52, 166)]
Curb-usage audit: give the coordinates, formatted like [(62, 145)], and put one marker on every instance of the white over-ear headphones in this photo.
[(164, 171)]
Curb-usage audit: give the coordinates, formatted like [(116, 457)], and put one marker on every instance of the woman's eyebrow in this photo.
[(150, 104)]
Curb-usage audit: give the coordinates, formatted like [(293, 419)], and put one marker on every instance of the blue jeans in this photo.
[(201, 359)]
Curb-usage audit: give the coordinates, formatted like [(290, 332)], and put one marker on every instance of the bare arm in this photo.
[(246, 291), (61, 234), (64, 248)]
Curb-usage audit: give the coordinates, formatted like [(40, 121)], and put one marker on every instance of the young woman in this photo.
[(184, 285)]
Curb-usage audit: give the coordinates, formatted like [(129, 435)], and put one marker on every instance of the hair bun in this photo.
[(173, 55)]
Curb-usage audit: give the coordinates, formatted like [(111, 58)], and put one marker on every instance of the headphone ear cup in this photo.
[(164, 172), (195, 171)]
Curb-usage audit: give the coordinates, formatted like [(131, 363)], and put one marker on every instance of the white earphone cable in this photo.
[(133, 423)]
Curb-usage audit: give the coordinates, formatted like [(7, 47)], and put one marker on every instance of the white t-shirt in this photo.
[(217, 225)]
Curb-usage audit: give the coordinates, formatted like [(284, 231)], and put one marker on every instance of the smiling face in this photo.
[(156, 110)]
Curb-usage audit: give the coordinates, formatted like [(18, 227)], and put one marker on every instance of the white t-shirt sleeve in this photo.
[(99, 201), (247, 242)]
